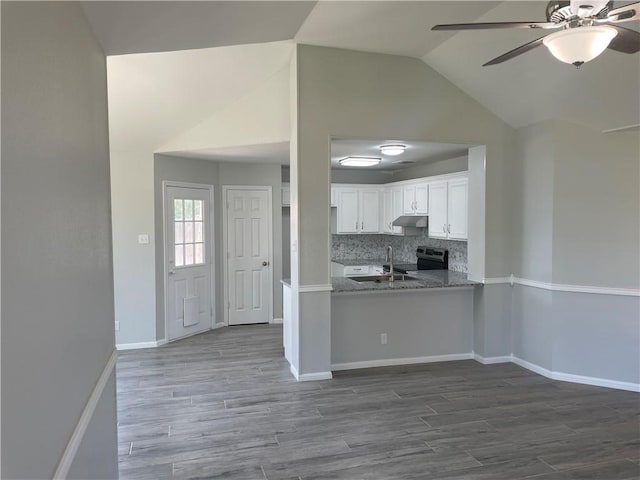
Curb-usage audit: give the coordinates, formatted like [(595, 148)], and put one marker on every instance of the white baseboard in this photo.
[(310, 377), (491, 360), (570, 377), (276, 321), (218, 325), (389, 362), (62, 470), (135, 346), (293, 371)]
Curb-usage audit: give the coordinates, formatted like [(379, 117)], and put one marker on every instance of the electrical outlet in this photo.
[(143, 239), (383, 339), (117, 326)]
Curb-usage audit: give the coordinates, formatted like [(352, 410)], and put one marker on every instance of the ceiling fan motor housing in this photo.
[(560, 10)]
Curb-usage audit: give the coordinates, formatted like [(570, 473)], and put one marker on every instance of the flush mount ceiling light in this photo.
[(360, 161), (394, 149), (579, 45)]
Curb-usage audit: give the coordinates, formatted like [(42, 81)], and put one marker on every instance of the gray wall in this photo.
[(216, 174), (441, 167), (576, 213), (57, 293)]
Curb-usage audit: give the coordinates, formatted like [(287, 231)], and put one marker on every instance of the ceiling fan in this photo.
[(588, 27)]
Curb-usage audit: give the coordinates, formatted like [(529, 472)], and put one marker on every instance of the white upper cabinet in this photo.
[(457, 208), (358, 210), (396, 209), (415, 199), (438, 214), (448, 207), (387, 216)]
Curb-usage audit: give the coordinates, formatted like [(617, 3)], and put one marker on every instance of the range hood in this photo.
[(411, 221)]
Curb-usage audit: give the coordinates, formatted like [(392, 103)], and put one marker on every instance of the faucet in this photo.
[(390, 260)]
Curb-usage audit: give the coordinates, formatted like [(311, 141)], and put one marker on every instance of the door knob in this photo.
[(265, 263)]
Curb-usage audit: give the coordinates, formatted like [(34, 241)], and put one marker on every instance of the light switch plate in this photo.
[(143, 239)]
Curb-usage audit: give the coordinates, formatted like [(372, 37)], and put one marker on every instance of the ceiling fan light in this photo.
[(360, 161), (579, 45), (392, 149)]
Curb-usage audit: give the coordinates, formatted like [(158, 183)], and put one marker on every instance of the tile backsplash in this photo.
[(354, 247)]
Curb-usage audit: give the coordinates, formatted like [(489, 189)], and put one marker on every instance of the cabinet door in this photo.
[(348, 221), (397, 208), (422, 199), (369, 211), (408, 200), (438, 210), (457, 207), (334, 201), (387, 206)]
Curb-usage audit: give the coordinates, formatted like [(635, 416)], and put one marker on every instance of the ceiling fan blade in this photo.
[(486, 26), (627, 13), (626, 41), (515, 52)]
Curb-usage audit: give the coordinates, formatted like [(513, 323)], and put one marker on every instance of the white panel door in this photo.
[(457, 209), (397, 208), (188, 261), (249, 278), (348, 219), (438, 210), (369, 211), (422, 199)]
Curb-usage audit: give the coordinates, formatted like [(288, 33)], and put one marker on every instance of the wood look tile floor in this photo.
[(224, 405)]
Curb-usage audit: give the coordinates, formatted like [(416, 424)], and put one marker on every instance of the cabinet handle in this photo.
[(449, 228), (444, 228), (356, 225)]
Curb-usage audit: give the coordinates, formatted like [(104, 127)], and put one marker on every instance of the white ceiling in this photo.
[(162, 94), (277, 153), (124, 27), (416, 152)]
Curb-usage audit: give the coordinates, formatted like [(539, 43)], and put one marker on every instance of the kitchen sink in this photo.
[(398, 277)]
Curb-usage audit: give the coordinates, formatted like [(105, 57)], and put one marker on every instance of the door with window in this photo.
[(249, 274), (189, 308)]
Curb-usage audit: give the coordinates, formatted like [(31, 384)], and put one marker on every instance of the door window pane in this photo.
[(179, 255), (177, 209), (188, 234), (188, 209)]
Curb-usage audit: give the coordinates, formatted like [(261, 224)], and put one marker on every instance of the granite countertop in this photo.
[(424, 279), (360, 261)]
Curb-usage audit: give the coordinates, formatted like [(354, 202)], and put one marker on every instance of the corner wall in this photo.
[(355, 94), (57, 289), (576, 310)]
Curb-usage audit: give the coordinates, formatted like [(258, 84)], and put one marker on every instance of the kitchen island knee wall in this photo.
[(420, 325)]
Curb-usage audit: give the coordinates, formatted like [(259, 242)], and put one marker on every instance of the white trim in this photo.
[(218, 325), (276, 321), (315, 288), (407, 290), (135, 346), (311, 377), (491, 360), (70, 451), (293, 371), (388, 362), (622, 129), (225, 266), (560, 287), (569, 377)]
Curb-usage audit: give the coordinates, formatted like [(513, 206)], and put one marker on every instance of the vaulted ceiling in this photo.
[(215, 59)]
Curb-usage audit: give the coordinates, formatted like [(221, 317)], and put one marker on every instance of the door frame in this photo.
[(165, 253), (225, 252)]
